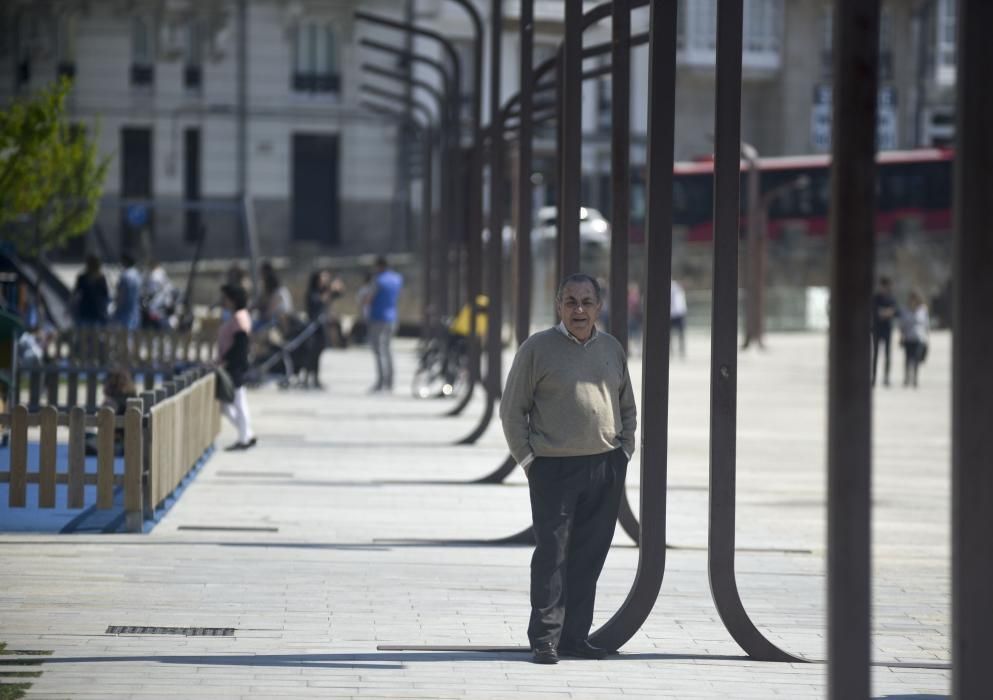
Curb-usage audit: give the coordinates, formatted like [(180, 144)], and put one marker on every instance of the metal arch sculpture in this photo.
[(655, 372), (429, 135), (441, 98), (474, 242), (475, 193), (447, 162), (626, 517), (972, 481), (972, 381), (494, 270), (724, 347)]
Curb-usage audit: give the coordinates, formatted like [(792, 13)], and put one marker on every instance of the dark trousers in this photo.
[(881, 338), (574, 503), (913, 351)]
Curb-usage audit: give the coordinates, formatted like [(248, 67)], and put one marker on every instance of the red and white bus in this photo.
[(912, 186)]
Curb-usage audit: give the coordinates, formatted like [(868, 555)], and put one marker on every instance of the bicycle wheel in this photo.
[(429, 378)]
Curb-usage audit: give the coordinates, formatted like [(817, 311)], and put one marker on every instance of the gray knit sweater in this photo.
[(565, 398)]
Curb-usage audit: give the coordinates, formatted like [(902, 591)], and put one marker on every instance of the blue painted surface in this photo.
[(61, 518)]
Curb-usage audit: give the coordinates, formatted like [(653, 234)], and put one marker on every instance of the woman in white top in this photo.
[(915, 326)]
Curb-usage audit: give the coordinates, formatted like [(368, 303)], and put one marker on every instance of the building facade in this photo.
[(198, 105), (204, 105)]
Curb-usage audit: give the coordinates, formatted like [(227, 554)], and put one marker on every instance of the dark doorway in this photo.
[(191, 183), (136, 184), (315, 188)]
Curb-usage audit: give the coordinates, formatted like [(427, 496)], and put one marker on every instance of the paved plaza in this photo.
[(351, 525)]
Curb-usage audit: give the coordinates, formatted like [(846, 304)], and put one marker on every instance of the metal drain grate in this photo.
[(180, 631)]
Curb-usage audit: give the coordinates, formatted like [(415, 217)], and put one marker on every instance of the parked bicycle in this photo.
[(443, 366)]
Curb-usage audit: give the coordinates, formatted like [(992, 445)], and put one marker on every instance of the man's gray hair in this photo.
[(579, 278)]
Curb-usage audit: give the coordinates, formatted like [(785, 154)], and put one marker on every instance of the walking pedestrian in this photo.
[(569, 416), (90, 295), (318, 298), (127, 301), (158, 297), (915, 327), (232, 357), (884, 310), (386, 286), (275, 305)]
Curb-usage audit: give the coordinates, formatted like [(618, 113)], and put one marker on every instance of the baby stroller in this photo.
[(284, 351)]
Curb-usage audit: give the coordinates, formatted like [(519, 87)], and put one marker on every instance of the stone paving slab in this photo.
[(364, 514)]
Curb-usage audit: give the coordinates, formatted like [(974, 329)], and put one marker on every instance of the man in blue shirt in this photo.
[(387, 284)]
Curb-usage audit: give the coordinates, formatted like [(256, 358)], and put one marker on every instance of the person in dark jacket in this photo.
[(232, 356), (884, 312), (91, 295), (318, 299)]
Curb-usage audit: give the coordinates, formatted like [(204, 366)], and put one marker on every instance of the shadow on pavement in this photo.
[(378, 660)]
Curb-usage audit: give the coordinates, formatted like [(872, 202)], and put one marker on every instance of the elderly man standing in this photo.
[(569, 416)]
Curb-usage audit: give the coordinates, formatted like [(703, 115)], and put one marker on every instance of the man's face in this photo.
[(579, 309)]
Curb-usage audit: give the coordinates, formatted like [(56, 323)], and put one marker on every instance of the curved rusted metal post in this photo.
[(620, 165), (522, 250), (441, 98), (475, 193), (474, 238), (972, 381), (852, 226), (428, 133), (621, 44), (654, 429), (448, 153), (724, 340), (494, 270)]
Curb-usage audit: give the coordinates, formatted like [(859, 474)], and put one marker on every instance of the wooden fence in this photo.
[(77, 361), (65, 386), (165, 434), (182, 427), (108, 346)]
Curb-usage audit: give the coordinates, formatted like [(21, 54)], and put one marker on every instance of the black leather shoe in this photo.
[(545, 654), (241, 445), (583, 650)]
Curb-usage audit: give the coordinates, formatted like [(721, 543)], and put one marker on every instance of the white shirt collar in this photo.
[(565, 331)]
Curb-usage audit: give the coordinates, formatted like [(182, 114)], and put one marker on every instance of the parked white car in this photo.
[(594, 229)]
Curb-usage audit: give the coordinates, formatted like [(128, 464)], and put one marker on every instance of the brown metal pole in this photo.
[(572, 124), (653, 430), (849, 453), (494, 364), (620, 164), (522, 317), (494, 267), (474, 210), (724, 340), (972, 380), (620, 157)]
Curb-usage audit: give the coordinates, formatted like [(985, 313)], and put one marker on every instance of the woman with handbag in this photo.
[(232, 359)]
